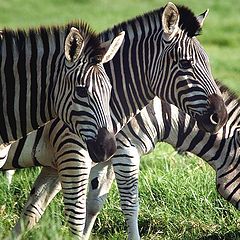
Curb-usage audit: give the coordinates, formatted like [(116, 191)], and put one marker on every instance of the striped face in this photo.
[(184, 66), (88, 112), (57, 72)]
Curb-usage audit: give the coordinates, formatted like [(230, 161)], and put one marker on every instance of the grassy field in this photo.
[(177, 194)]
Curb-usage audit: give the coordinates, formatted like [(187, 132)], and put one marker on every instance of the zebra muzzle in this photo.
[(103, 147), (216, 116)]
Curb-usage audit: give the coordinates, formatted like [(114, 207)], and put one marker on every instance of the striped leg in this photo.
[(45, 188), (101, 178), (126, 168), (73, 169), (9, 175)]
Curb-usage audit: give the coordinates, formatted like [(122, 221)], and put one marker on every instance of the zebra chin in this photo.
[(103, 147), (216, 116)]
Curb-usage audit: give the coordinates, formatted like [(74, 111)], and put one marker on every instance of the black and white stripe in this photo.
[(162, 57), (155, 62), (57, 71), (159, 121), (149, 63)]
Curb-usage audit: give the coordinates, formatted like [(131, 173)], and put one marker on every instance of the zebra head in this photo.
[(88, 111), (185, 67)]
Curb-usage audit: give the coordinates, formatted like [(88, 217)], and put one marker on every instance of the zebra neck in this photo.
[(181, 131), (133, 68), (28, 75)]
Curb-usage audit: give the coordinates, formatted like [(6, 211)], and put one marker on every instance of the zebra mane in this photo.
[(187, 22), (231, 100), (89, 35)]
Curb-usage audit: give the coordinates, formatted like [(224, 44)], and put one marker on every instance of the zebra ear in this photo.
[(73, 45), (201, 18), (170, 20), (111, 47)]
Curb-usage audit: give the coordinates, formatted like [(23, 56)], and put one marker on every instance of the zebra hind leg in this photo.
[(9, 175), (46, 186)]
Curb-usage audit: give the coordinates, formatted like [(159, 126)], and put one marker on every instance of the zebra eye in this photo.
[(82, 91), (185, 64)]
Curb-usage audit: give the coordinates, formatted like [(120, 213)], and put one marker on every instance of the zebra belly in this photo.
[(29, 152)]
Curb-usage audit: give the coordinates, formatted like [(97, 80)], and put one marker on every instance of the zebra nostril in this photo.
[(214, 119)]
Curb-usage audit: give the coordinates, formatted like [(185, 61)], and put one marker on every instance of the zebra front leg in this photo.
[(74, 173), (126, 169), (100, 181), (46, 186)]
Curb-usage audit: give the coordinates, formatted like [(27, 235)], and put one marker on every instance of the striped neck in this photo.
[(131, 69), (181, 131)]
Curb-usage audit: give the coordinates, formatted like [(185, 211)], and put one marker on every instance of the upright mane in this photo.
[(19, 35), (188, 22)]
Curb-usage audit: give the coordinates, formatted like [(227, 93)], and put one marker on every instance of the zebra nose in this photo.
[(103, 147), (215, 117)]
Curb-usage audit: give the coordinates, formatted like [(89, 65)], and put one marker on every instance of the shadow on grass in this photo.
[(228, 236)]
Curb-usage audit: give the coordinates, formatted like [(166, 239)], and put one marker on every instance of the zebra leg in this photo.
[(9, 175), (74, 173), (100, 181), (126, 168), (46, 186)]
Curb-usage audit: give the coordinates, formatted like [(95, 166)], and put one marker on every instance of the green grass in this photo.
[(178, 199)]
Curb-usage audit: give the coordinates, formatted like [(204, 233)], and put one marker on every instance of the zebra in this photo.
[(162, 57), (157, 122), (157, 36), (55, 72), (163, 122)]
